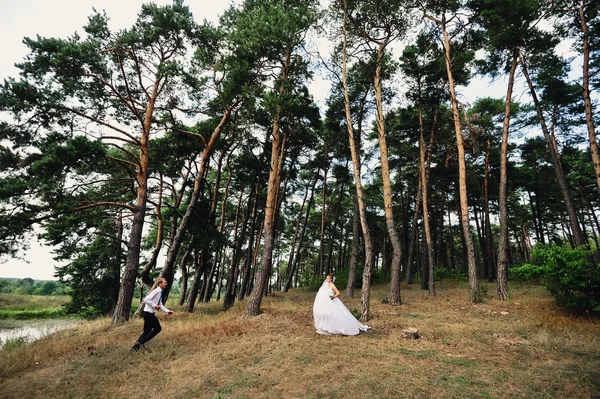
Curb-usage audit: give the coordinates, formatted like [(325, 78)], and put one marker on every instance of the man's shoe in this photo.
[(136, 347)]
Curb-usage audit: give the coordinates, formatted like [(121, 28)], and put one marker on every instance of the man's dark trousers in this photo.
[(151, 328)]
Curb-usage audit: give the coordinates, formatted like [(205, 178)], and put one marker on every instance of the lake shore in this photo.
[(26, 318), (27, 331)]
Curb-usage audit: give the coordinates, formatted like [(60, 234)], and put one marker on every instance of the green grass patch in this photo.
[(14, 306), (32, 314), (31, 302), (458, 361), (304, 359), (418, 354)]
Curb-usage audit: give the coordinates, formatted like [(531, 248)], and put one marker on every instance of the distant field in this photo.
[(31, 306)]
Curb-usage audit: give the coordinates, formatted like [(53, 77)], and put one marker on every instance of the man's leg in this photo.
[(150, 322), (151, 327)]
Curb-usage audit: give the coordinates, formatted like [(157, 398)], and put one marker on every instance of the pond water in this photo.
[(32, 329)]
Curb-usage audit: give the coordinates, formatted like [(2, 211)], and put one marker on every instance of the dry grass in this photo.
[(466, 351)]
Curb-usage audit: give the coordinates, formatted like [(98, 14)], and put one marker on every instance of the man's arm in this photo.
[(152, 298), (164, 309)]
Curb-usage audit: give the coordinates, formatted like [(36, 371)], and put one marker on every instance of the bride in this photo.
[(331, 316)]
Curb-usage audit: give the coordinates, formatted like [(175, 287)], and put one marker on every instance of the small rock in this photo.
[(410, 333), (504, 313)]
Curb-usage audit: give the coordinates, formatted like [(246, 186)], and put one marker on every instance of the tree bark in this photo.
[(200, 260), (115, 271), (474, 289), (198, 190), (365, 296), (184, 276), (395, 298), (578, 237), (502, 267), (248, 266), (277, 148), (589, 110), (294, 257), (414, 234), (424, 179), (354, 253), (123, 308), (229, 298)]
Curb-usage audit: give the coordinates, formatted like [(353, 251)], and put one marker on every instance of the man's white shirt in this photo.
[(153, 299)]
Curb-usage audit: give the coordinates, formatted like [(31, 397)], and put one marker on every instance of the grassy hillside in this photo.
[(526, 348)]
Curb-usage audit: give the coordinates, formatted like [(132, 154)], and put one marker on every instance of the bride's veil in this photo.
[(325, 286)]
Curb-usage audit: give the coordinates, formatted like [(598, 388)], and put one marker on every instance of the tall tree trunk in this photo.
[(302, 215), (594, 236), (395, 298), (248, 265), (160, 224), (198, 265), (502, 267), (595, 220), (537, 220), (324, 210), (123, 307), (277, 149), (216, 268), (289, 270), (474, 290), (184, 276), (198, 189), (589, 110), (115, 271), (424, 178), (334, 228), (255, 254), (366, 287), (487, 228), (219, 279), (354, 253), (414, 237), (578, 237), (229, 297)]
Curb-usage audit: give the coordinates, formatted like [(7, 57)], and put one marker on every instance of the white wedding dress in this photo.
[(332, 317)]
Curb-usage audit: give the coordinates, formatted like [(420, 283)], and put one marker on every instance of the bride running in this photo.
[(331, 316)]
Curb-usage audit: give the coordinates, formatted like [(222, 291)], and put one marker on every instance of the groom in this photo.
[(152, 303)]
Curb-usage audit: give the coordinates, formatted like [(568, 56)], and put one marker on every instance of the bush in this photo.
[(527, 273), (451, 275), (567, 274)]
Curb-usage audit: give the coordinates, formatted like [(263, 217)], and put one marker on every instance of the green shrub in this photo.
[(32, 313), (90, 313), (450, 275), (568, 274), (527, 273), (309, 282)]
